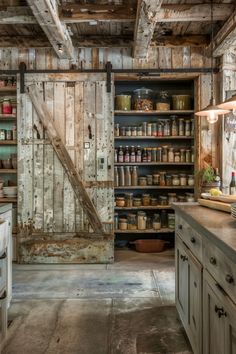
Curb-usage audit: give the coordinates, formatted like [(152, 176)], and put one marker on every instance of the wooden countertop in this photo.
[(218, 226)]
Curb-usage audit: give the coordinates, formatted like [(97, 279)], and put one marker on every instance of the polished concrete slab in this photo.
[(126, 308)]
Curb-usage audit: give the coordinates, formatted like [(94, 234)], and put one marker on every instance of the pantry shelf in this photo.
[(8, 200), (149, 231), (154, 164), (152, 113), (6, 170), (155, 187), (159, 207), (7, 116), (144, 137), (8, 89), (8, 142)]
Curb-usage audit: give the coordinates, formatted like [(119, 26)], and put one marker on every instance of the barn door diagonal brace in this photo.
[(65, 159)]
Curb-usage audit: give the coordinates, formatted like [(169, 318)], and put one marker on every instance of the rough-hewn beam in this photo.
[(16, 15), (46, 13), (146, 18), (226, 37), (24, 41), (65, 159), (70, 13), (184, 41)]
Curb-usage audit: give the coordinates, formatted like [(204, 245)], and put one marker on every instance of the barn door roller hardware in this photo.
[(108, 70)]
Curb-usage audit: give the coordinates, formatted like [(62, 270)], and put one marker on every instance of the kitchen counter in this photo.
[(218, 226)]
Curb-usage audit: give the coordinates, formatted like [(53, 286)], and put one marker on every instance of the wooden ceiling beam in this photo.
[(147, 13), (46, 14), (225, 38), (12, 15)]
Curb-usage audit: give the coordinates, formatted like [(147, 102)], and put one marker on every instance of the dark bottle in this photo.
[(139, 154), (232, 186), (144, 155), (121, 154), (127, 155), (132, 154), (164, 220)]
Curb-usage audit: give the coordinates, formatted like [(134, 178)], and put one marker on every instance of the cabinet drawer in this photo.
[(190, 237), (221, 268)]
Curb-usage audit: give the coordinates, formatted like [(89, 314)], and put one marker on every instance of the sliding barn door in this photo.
[(82, 113)]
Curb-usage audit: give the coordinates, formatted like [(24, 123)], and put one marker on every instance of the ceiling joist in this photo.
[(16, 15), (226, 37), (46, 14)]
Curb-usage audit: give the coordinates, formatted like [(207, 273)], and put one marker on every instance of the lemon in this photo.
[(215, 192)]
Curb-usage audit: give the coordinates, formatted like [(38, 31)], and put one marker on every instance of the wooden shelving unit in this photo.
[(8, 200), (147, 231), (8, 89), (153, 113), (6, 170), (8, 142), (155, 187), (146, 137), (7, 116), (156, 207), (154, 164)]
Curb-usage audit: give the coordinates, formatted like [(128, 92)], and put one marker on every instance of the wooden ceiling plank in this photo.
[(46, 14), (146, 18), (16, 15), (225, 37)]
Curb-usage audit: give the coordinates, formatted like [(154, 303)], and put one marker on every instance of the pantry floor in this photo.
[(122, 308)]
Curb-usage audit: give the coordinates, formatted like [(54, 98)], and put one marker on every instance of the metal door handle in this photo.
[(213, 260), (193, 240), (229, 278)]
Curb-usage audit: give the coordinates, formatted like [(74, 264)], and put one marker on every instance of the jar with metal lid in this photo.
[(128, 200), (142, 181), (171, 155), (171, 221), (175, 180), (137, 202), (6, 106), (181, 127), (143, 99), (132, 221), (189, 197), (192, 154), (134, 131), (187, 127), (156, 179), (122, 131), (172, 198), (146, 199), (117, 129), (164, 153), (163, 101), (176, 156), (123, 102), (168, 180), (148, 223), (182, 155), (123, 224), (164, 220), (156, 222), (188, 155), (154, 154), (163, 200), (149, 129), (181, 198), (159, 154), (140, 130), (149, 180), (183, 179), (153, 201), (128, 131), (134, 176), (116, 221), (142, 218), (162, 178), (174, 126), (190, 180), (144, 129), (120, 202)]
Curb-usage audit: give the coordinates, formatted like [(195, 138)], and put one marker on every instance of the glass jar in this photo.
[(121, 175), (149, 154), (174, 126), (128, 200), (117, 129), (181, 102), (181, 198), (168, 180), (156, 179), (188, 155), (141, 215), (182, 155), (159, 128), (187, 127), (171, 155), (164, 221), (6, 106), (132, 155), (154, 154), (127, 176), (132, 222), (2, 134), (142, 181), (149, 180), (181, 126), (121, 154), (162, 178), (190, 180), (116, 177), (134, 176), (164, 153), (123, 102), (126, 154), (192, 154), (153, 201), (122, 131), (148, 223), (166, 128), (175, 180), (137, 202), (138, 154), (189, 197), (156, 222), (149, 129), (154, 129), (116, 221), (192, 127), (146, 199), (140, 130), (144, 129), (120, 202), (143, 99), (128, 131), (159, 154), (133, 131), (176, 156), (183, 179), (123, 224), (171, 221), (163, 101), (163, 200), (172, 198)]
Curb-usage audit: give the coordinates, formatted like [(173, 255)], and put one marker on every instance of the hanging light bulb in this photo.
[(229, 104), (212, 111)]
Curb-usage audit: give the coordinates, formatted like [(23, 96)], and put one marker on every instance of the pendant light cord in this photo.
[(212, 95)]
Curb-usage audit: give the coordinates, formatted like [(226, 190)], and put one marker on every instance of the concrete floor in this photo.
[(123, 308)]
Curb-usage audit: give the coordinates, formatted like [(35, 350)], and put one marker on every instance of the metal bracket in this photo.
[(108, 70), (22, 68)]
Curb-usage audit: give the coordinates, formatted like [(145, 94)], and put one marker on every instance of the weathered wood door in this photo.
[(82, 112)]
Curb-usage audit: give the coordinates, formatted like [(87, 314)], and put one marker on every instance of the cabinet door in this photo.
[(181, 281), (213, 324), (230, 321)]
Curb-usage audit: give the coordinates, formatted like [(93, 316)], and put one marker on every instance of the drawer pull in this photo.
[(220, 311), (3, 296), (229, 279), (213, 260), (193, 240), (184, 258), (180, 227), (3, 256)]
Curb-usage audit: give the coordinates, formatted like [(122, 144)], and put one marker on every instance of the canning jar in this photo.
[(144, 129), (122, 131), (174, 126), (187, 128), (190, 180), (120, 202), (163, 101), (183, 179), (154, 129), (162, 178), (149, 129), (127, 176), (153, 201), (134, 176), (181, 126), (166, 128), (123, 224), (172, 198), (149, 180), (154, 154), (171, 221), (121, 175), (176, 156), (6, 106), (143, 99), (164, 221), (128, 131), (159, 154), (175, 180), (171, 155), (188, 155), (163, 200), (134, 131), (181, 198), (189, 197), (181, 102), (132, 222), (123, 102), (128, 200), (142, 181), (137, 202), (117, 129), (156, 223), (164, 153), (168, 180), (156, 179), (141, 220), (140, 130), (182, 155), (146, 199), (148, 223)]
